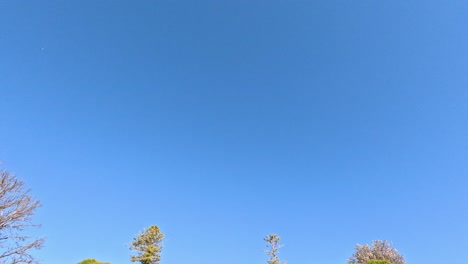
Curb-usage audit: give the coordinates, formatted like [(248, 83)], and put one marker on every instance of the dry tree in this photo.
[(16, 210)]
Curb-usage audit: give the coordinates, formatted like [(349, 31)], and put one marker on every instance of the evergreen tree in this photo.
[(148, 246)]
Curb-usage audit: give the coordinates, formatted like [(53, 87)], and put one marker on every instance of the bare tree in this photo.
[(16, 210), (380, 250)]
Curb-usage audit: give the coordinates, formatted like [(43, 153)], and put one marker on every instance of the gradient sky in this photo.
[(327, 122)]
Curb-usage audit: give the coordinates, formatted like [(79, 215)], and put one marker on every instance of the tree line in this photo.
[(17, 207)]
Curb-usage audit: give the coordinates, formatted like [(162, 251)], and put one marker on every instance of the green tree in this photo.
[(92, 261), (380, 250), (374, 261), (273, 247), (148, 246), (16, 210)]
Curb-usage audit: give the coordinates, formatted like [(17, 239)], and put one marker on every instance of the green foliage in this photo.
[(92, 261), (148, 246), (375, 261), (273, 245)]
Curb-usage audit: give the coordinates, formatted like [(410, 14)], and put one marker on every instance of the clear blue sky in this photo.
[(329, 123)]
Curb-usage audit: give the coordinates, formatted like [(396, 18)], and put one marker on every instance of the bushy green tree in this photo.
[(273, 247), (148, 246), (92, 261), (380, 250)]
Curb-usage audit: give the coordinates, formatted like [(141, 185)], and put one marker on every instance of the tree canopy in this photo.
[(380, 250), (92, 261)]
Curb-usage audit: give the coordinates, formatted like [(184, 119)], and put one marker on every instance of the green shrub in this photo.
[(92, 261)]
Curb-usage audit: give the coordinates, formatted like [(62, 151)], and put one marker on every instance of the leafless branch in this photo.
[(16, 210)]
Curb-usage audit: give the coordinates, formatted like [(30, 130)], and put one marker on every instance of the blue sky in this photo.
[(329, 123)]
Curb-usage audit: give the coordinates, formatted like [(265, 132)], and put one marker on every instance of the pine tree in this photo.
[(148, 246)]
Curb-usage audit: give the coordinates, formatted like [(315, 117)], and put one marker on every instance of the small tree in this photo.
[(148, 246), (380, 250), (16, 210), (273, 245), (92, 261)]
